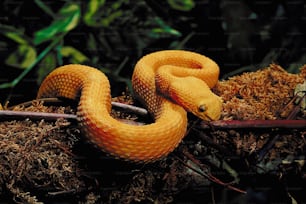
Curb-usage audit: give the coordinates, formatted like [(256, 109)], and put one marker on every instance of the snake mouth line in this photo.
[(209, 118)]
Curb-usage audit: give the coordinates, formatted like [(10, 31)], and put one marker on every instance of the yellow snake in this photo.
[(167, 82)]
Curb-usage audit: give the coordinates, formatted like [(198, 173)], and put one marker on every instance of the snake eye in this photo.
[(202, 108)]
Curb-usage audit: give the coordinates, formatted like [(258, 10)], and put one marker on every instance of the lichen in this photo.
[(258, 95)]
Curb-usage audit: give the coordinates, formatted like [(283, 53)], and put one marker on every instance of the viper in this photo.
[(168, 83)]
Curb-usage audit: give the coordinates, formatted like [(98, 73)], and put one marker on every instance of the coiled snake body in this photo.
[(167, 82)]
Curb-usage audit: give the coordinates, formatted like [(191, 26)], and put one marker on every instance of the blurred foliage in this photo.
[(113, 34), (185, 5)]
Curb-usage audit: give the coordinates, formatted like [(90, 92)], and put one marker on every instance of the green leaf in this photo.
[(113, 16), (13, 33), (163, 29), (67, 19), (98, 15), (23, 57), (47, 64), (16, 37), (44, 7), (41, 55), (93, 7), (73, 54), (181, 5)]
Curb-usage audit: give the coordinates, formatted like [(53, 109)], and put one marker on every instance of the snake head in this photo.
[(208, 108), (196, 97)]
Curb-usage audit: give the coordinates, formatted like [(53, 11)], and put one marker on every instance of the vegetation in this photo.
[(113, 35)]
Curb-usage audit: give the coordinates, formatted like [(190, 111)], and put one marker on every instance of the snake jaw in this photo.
[(196, 97), (213, 107), (202, 109)]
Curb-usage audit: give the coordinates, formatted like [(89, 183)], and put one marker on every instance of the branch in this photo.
[(235, 124), (35, 115)]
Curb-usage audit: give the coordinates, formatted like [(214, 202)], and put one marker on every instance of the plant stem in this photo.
[(30, 67), (226, 124)]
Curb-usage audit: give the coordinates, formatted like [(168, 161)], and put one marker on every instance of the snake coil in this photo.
[(169, 83)]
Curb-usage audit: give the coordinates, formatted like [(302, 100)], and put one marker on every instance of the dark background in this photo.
[(239, 35)]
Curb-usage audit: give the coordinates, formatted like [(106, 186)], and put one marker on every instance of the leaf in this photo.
[(67, 19), (44, 7), (41, 55), (16, 37), (23, 57), (93, 7), (46, 66), (98, 15), (163, 29), (113, 16), (14, 34), (181, 5), (73, 54)]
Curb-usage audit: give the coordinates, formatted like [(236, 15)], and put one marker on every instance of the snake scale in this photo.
[(168, 82)]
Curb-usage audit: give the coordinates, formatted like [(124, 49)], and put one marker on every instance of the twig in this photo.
[(211, 177), (62, 192), (295, 104), (131, 108), (297, 108), (35, 115), (219, 164), (267, 147), (236, 124), (126, 107), (220, 124), (4, 114), (213, 144)]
